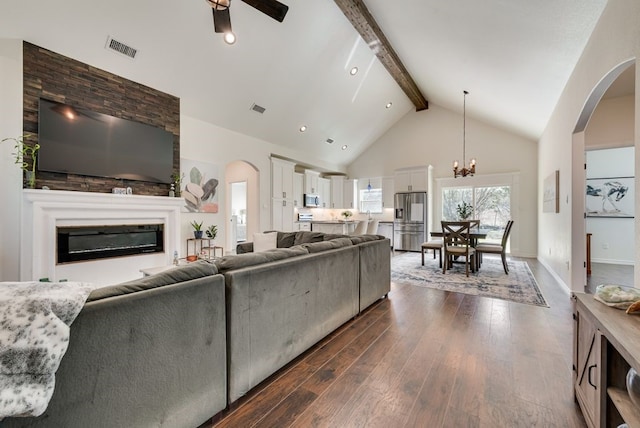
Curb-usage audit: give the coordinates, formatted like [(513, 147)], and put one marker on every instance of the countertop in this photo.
[(340, 221)]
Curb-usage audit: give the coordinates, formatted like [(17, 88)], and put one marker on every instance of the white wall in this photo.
[(11, 187), (199, 141), (611, 124), (615, 40), (210, 143), (613, 239), (434, 137)]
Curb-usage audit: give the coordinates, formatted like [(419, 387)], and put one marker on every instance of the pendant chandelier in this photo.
[(464, 171)]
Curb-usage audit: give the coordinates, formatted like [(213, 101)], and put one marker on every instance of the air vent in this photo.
[(257, 108), (329, 141), (121, 48)]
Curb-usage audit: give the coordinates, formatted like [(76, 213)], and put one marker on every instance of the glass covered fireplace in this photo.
[(81, 243)]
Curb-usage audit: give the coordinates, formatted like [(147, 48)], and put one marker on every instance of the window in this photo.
[(371, 201), (491, 205)]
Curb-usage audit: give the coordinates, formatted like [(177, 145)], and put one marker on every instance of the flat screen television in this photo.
[(76, 140)]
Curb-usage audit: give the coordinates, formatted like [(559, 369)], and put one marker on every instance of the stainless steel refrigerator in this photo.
[(410, 221)]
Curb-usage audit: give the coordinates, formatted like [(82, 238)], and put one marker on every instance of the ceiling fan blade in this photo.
[(221, 20), (272, 8)]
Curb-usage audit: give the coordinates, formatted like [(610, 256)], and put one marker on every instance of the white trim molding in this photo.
[(45, 210)]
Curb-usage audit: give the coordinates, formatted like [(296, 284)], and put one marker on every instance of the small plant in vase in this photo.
[(212, 231), (464, 210), (22, 154), (346, 215), (197, 229), (176, 181)]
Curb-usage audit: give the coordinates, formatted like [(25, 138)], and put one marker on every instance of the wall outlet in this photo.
[(605, 246)]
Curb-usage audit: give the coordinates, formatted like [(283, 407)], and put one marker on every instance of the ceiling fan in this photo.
[(222, 20)]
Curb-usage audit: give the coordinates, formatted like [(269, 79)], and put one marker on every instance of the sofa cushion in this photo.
[(305, 237), (316, 247), (357, 239), (330, 236), (198, 269), (286, 239), (238, 261), (264, 241)]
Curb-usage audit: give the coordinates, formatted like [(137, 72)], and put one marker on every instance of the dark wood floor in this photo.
[(429, 358), (604, 273)]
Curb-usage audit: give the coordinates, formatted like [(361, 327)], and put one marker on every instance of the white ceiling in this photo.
[(513, 56)]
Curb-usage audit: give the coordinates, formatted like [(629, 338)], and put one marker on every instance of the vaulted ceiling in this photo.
[(513, 56)]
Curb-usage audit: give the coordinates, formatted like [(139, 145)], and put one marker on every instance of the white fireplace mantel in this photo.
[(45, 210)]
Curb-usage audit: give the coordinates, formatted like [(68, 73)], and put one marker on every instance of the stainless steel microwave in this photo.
[(311, 200)]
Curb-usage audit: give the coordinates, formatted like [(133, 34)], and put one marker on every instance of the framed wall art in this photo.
[(551, 193), (610, 197), (199, 186)]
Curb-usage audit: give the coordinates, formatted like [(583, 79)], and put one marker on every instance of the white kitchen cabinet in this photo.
[(282, 215), (298, 190), (324, 192), (282, 179), (349, 194), (386, 230), (343, 193), (302, 225), (311, 182), (411, 180), (334, 228), (337, 191), (388, 192)]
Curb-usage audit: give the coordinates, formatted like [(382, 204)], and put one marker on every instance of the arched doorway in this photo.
[(578, 180), (242, 202)]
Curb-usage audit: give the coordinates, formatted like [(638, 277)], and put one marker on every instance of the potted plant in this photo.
[(176, 180), (197, 229), (346, 214), (464, 210), (22, 153), (212, 231)]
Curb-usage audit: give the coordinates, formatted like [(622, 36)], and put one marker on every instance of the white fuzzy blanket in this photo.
[(34, 335)]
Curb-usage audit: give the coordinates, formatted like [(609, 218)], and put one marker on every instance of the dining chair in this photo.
[(457, 243), (487, 247), (372, 228), (361, 228), (435, 245)]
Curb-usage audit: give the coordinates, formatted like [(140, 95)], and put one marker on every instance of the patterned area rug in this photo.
[(490, 281)]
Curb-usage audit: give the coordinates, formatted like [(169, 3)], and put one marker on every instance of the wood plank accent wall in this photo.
[(58, 78)]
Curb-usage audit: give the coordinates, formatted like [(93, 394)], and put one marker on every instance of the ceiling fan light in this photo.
[(229, 38)]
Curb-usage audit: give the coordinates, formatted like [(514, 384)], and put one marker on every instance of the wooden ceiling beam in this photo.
[(364, 23)]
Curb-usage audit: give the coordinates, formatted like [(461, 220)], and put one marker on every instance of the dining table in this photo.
[(475, 233)]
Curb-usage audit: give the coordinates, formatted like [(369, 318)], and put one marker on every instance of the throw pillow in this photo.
[(264, 241)]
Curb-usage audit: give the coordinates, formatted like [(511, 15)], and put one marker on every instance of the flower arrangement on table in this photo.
[(346, 214)]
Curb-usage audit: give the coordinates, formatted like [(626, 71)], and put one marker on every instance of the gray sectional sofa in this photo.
[(147, 353), (176, 348)]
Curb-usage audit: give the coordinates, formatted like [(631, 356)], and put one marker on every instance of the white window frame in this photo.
[(507, 179)]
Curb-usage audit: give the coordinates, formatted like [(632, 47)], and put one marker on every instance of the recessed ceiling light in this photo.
[(389, 104), (353, 71), (229, 37), (344, 147), (303, 128)]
